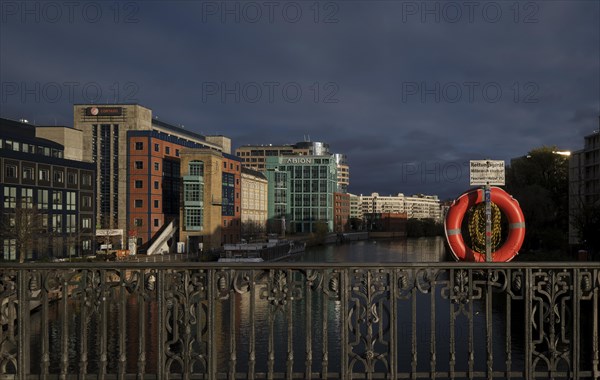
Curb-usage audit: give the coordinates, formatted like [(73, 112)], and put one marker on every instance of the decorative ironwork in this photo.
[(290, 320)]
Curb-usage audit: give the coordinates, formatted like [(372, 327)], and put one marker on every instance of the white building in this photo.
[(417, 206)]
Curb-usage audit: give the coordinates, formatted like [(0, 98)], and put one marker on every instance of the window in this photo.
[(225, 223), (224, 165), (156, 148), (86, 201), (156, 203), (10, 249), (71, 224), (42, 199), (137, 222), (86, 245), (86, 179), (139, 164), (28, 173), (57, 200), (156, 166), (139, 184), (155, 185), (197, 168), (71, 201), (139, 203), (167, 150), (59, 176), (57, 223), (10, 171), (193, 218), (86, 223), (139, 145), (155, 222), (177, 152), (27, 198), (192, 191), (10, 197), (72, 178)]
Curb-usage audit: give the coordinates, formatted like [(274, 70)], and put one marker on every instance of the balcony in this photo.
[(299, 321)]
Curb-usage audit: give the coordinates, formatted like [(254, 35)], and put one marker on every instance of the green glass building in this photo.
[(301, 191)]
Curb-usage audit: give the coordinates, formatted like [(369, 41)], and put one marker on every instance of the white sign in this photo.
[(487, 172)]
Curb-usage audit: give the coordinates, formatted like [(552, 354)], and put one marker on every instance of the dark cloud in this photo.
[(408, 95)]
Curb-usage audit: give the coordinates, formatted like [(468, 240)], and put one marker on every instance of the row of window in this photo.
[(139, 222), (139, 184), (59, 199), (139, 203), (28, 173), (139, 145), (30, 148)]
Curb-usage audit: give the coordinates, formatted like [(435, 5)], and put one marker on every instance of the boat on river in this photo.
[(271, 250)]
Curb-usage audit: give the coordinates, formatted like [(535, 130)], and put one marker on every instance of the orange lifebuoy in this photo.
[(507, 204)]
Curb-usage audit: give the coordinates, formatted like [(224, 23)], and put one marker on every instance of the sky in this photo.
[(410, 91)]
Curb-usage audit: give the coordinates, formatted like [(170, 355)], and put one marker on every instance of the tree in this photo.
[(22, 227), (540, 182), (252, 230)]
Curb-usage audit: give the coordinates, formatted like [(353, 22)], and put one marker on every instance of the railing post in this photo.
[(160, 295), (23, 324)]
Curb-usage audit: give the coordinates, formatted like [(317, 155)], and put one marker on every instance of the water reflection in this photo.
[(411, 250)]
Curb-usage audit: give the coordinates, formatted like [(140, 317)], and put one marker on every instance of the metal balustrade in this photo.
[(299, 321)]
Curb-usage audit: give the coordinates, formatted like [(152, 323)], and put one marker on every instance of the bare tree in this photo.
[(252, 230), (23, 226)]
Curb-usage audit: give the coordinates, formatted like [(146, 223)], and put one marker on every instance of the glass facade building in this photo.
[(301, 191)]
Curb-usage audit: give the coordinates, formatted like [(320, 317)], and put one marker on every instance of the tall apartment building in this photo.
[(255, 157), (417, 206), (44, 181), (138, 163), (584, 180), (301, 191)]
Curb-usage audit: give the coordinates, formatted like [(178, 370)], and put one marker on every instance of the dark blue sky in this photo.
[(410, 91)]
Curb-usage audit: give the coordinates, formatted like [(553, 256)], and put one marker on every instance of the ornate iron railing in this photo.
[(301, 321)]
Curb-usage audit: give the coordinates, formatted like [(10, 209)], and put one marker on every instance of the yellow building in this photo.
[(255, 189)]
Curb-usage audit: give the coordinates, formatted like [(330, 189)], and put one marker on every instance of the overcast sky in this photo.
[(409, 91)]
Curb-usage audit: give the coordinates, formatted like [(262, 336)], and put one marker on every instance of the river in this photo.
[(371, 251)]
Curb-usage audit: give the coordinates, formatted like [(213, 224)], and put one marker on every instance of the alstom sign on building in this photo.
[(487, 172)]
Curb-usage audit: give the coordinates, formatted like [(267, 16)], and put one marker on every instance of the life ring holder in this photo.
[(507, 204)]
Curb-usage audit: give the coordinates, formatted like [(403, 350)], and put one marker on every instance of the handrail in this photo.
[(300, 320)]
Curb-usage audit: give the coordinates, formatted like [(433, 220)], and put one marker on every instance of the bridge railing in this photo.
[(299, 321)]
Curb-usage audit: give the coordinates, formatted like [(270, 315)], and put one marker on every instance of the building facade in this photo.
[(138, 165), (255, 157), (584, 181), (211, 203), (416, 207), (47, 205), (341, 212), (301, 192), (255, 190)]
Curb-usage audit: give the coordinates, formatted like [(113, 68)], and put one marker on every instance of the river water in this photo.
[(380, 251)]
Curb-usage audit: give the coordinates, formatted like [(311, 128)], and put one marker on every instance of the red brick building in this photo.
[(341, 212)]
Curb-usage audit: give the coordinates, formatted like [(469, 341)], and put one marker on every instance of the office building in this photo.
[(47, 205), (138, 165), (211, 209), (301, 192), (255, 156)]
